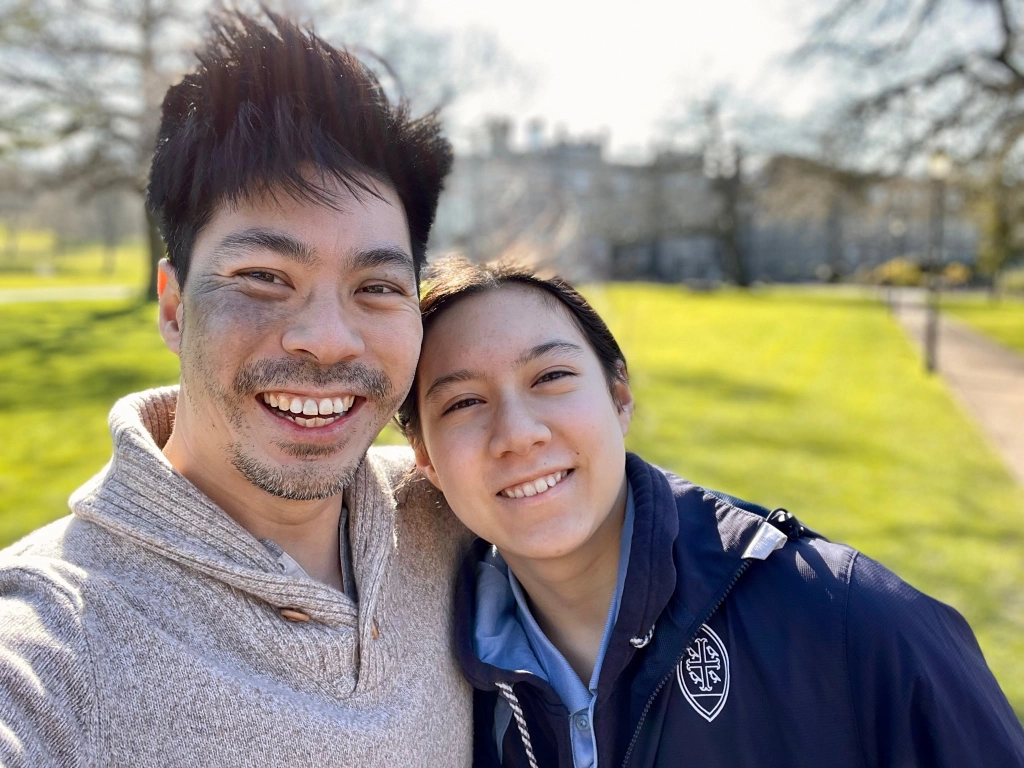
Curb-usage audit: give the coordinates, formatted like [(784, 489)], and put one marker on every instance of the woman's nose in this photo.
[(517, 429)]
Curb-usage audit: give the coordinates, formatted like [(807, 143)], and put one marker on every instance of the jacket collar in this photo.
[(139, 496), (686, 550)]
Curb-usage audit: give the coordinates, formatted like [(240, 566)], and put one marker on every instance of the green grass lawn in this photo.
[(790, 399), (1001, 320), (85, 265)]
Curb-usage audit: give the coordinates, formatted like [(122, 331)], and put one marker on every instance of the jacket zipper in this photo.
[(650, 702)]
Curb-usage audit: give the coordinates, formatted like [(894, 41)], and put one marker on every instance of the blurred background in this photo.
[(804, 222)]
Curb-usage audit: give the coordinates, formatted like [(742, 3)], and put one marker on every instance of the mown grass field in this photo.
[(36, 265), (1001, 320), (793, 399)]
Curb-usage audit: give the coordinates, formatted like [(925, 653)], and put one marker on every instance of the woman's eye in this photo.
[(461, 404), (554, 375)]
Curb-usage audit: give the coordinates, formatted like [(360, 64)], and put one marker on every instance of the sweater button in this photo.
[(292, 615)]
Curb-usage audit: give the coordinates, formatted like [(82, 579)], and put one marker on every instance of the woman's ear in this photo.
[(423, 463), (622, 396)]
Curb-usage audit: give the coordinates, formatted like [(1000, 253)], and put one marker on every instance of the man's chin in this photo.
[(311, 481)]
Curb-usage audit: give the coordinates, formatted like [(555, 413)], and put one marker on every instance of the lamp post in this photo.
[(939, 167)]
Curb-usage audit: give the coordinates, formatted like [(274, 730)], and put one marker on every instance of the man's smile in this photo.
[(307, 410)]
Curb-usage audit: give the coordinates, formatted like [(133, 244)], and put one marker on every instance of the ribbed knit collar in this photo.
[(141, 497)]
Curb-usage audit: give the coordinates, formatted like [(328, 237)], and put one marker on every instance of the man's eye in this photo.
[(379, 289), (262, 276)]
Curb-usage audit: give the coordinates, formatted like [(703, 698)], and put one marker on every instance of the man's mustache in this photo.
[(357, 378)]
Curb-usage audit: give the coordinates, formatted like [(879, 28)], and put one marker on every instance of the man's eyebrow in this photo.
[(549, 346), (451, 378), (382, 257), (267, 240)]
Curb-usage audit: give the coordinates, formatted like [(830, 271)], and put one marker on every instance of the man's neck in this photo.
[(570, 596), (306, 530)]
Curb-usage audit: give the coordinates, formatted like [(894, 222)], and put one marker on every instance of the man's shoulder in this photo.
[(50, 562), (422, 509)]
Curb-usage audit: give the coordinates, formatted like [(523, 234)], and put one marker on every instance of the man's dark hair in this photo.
[(275, 110), (455, 278)]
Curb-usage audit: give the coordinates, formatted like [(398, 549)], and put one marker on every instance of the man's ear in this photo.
[(622, 396), (171, 307), (423, 463)]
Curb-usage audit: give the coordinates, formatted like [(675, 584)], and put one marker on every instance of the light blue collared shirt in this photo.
[(507, 636)]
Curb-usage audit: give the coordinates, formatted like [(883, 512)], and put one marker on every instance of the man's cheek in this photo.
[(227, 315)]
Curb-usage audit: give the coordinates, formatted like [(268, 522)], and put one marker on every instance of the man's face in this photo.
[(298, 330)]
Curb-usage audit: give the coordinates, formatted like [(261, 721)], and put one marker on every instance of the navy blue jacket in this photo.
[(815, 656)]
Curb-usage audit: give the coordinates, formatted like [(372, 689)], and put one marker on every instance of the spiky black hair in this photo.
[(266, 106)]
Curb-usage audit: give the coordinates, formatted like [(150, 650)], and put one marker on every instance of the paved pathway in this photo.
[(65, 293), (986, 377)]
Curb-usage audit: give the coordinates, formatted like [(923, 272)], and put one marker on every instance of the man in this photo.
[(239, 586)]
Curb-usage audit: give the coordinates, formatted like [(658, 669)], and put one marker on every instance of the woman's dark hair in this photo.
[(455, 278), (276, 110)]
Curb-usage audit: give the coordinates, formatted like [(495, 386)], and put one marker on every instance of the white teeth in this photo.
[(322, 407), (535, 487), (303, 422), (318, 422)]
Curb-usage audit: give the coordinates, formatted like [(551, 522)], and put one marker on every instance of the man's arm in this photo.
[(922, 692), (46, 687)]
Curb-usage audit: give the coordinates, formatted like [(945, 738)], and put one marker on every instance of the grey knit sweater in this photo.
[(145, 628)]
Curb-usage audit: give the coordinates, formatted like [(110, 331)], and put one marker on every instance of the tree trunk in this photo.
[(156, 252)]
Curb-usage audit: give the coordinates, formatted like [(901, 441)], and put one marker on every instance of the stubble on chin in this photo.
[(304, 483)]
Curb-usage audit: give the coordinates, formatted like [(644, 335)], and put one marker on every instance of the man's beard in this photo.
[(304, 483), (311, 480)]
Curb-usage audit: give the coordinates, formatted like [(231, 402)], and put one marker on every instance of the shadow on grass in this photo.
[(86, 354)]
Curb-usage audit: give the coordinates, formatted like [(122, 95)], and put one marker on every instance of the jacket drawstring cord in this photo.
[(517, 713)]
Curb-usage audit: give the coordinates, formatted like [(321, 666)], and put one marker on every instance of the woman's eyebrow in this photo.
[(531, 354), (558, 345), (450, 378)]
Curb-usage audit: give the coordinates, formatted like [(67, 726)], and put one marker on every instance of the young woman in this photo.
[(613, 614)]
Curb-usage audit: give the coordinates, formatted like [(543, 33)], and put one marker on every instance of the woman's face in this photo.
[(512, 400)]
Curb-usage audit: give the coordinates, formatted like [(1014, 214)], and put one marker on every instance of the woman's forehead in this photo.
[(495, 329)]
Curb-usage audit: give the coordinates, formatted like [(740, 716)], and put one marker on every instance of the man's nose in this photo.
[(517, 429), (325, 330)]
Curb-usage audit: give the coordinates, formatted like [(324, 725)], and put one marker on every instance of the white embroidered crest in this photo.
[(703, 673)]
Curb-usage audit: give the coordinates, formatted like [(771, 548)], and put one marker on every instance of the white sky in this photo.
[(624, 68)]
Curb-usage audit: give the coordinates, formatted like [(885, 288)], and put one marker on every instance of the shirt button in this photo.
[(582, 722)]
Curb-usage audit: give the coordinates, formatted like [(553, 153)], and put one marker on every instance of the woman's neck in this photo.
[(570, 596)]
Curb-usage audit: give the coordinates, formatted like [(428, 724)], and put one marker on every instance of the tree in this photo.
[(81, 81), (82, 84), (933, 75)]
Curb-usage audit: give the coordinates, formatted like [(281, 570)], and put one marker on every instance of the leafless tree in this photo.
[(931, 75), (81, 81)]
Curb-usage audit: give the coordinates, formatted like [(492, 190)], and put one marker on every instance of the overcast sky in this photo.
[(624, 69)]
